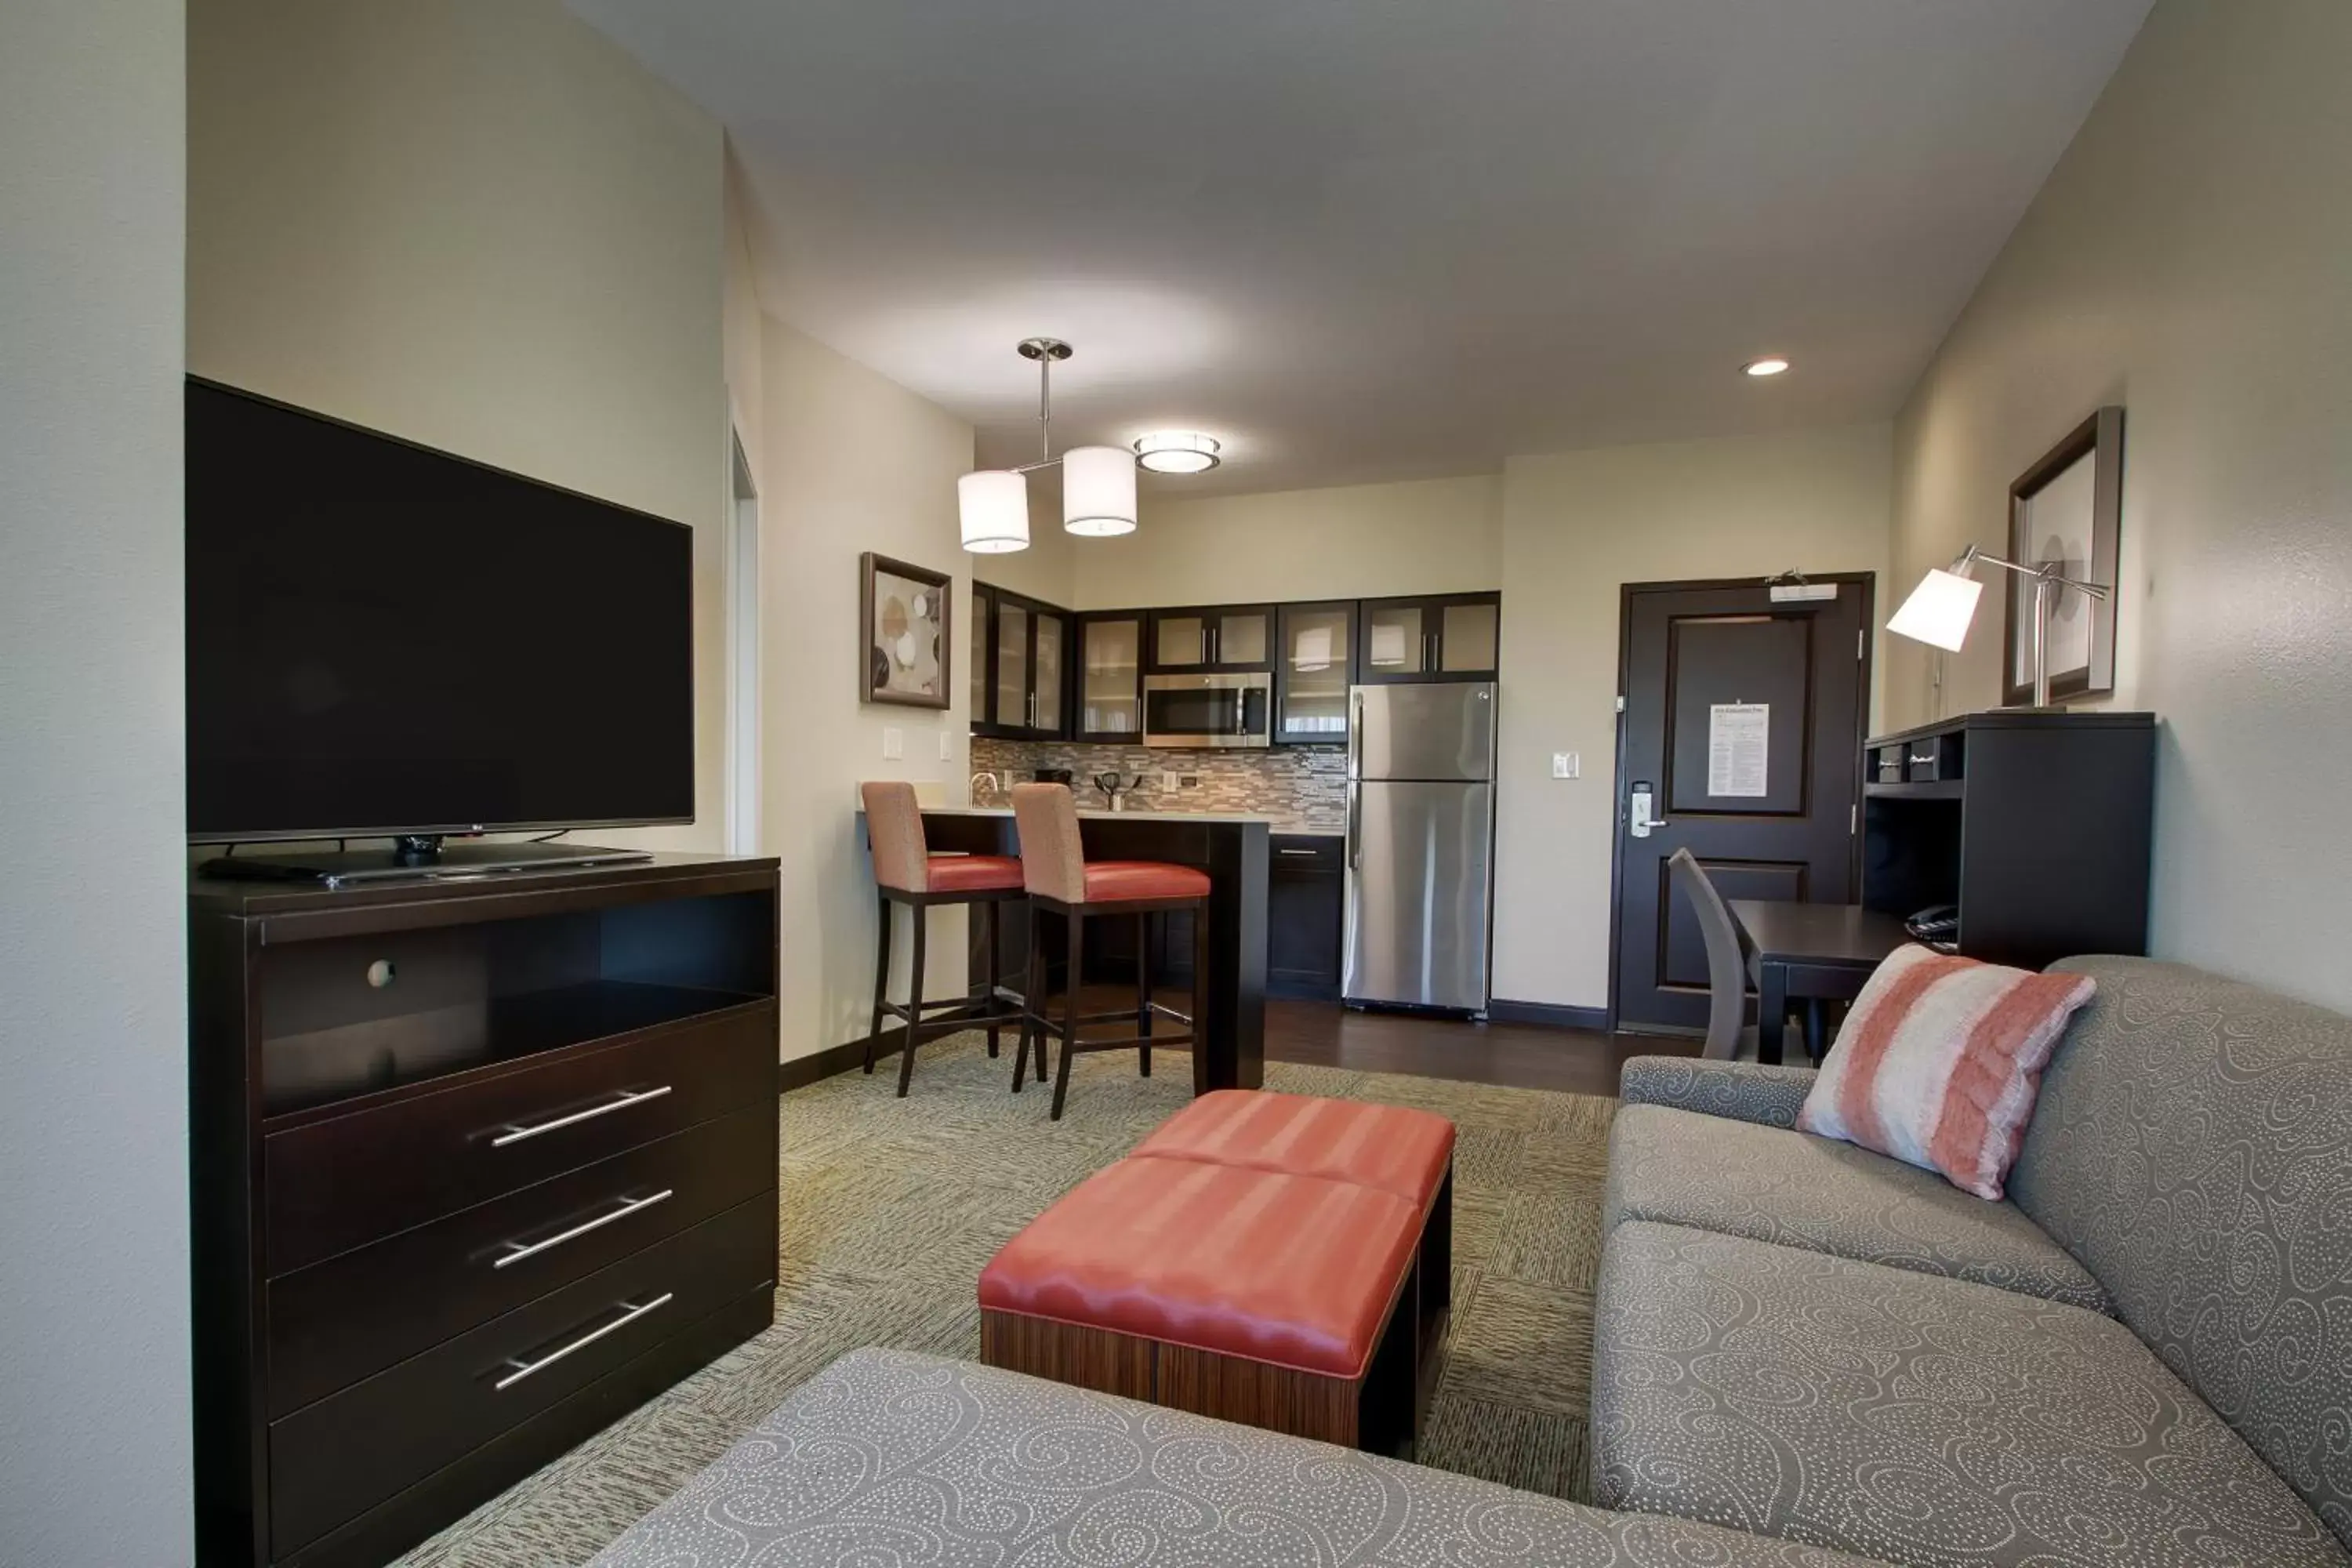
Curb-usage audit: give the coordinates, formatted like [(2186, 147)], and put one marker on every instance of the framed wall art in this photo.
[(2067, 510), (908, 649)]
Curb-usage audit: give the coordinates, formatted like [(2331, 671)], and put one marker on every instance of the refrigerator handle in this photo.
[(1356, 734), (1355, 844)]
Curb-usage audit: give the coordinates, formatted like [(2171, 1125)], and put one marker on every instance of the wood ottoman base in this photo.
[(1381, 1410)]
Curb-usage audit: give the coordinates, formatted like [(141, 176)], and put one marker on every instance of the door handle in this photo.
[(1639, 820)]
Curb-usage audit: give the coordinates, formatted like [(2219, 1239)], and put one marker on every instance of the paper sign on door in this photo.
[(1738, 748)]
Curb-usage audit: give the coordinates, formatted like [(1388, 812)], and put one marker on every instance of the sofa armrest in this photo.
[(1744, 1091)]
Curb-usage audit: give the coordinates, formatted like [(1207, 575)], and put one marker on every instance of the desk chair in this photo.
[(1728, 1038)]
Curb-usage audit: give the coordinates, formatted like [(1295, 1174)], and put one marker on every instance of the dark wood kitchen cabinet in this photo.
[(1305, 897), (1314, 663), (1216, 639), (1024, 646), (1108, 706), (1441, 637)]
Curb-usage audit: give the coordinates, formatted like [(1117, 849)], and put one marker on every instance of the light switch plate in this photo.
[(894, 745), (947, 747), (1564, 765)]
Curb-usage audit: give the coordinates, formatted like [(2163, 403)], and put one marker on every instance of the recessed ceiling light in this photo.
[(1177, 452), (1770, 365)]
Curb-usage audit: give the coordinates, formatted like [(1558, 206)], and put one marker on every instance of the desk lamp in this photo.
[(1940, 608)]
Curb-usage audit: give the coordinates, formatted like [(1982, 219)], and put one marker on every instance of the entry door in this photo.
[(1743, 727)]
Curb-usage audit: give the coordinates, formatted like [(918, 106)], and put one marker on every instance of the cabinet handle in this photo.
[(516, 1134), (523, 1369), (1308, 853), (628, 1206)]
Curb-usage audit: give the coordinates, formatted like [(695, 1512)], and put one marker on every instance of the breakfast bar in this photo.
[(1231, 847)]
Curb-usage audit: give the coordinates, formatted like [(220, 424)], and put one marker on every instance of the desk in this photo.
[(1817, 952)]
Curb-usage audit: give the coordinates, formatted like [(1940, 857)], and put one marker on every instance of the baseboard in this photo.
[(801, 1071), (1548, 1015)]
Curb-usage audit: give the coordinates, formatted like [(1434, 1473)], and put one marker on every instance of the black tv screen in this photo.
[(382, 638)]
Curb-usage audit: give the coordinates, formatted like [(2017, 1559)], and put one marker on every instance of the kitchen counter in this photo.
[(1288, 826), (1233, 847)]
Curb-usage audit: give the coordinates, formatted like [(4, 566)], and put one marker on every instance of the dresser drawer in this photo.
[(332, 1461), (335, 1322), (340, 1183)]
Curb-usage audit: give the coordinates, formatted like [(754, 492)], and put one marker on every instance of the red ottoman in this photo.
[(1274, 1259)]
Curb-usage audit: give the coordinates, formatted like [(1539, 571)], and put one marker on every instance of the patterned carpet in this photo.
[(891, 1207)]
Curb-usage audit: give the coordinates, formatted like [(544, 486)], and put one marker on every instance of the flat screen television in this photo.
[(385, 641)]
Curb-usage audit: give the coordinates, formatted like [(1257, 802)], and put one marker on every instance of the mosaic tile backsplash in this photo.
[(1306, 787)]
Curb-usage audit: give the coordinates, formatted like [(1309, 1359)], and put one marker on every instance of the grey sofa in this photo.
[(892, 1457), (2144, 1357)]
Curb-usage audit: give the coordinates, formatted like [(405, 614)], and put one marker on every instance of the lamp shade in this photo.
[(994, 505), (1099, 490), (1939, 611)]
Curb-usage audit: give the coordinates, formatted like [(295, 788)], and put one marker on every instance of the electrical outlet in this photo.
[(894, 745), (1170, 781), (1564, 764)]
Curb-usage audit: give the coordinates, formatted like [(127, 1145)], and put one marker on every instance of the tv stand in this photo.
[(410, 856)]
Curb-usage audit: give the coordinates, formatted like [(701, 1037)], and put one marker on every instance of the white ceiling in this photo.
[(1369, 239)]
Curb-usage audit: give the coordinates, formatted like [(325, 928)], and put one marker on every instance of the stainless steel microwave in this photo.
[(1208, 710)]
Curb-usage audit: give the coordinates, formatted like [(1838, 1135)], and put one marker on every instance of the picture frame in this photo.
[(2068, 508), (905, 625)]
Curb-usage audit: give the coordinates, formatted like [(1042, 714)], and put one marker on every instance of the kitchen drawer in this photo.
[(341, 1456), (1306, 852), (345, 1181), (336, 1322)]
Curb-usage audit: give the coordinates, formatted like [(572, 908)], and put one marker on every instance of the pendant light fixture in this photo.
[(1098, 482), (1177, 452)]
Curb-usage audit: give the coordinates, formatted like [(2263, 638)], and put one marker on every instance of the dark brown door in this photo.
[(1741, 741)]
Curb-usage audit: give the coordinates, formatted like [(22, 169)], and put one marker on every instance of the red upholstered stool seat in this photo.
[(972, 873), (1110, 882), (1291, 1271), (1391, 1147)]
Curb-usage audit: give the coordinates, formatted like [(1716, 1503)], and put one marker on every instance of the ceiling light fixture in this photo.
[(1098, 482), (1770, 365), (1177, 452)]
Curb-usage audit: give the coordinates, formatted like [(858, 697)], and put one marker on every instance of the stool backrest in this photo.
[(1053, 862), (1727, 970), (894, 825)]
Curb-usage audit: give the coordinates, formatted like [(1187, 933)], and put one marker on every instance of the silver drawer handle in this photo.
[(523, 1369), (514, 1134), (1310, 854), (628, 1206)]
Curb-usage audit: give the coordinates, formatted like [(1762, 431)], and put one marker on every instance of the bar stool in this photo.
[(907, 872), (1054, 869)]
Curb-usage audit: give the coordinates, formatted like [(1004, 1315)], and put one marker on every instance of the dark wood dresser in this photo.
[(479, 1165)]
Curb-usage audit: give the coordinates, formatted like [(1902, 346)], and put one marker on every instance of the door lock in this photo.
[(1639, 820)]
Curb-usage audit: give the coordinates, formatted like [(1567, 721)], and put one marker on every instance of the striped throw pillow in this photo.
[(1938, 1063)]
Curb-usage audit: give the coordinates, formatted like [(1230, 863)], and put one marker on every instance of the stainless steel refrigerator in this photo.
[(1421, 845)]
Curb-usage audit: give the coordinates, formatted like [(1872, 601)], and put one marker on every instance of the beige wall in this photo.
[(483, 227), (2191, 259), (1423, 536), (95, 1468), (1576, 528)]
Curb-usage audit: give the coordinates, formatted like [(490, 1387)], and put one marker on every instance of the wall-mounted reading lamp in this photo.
[(1940, 608)]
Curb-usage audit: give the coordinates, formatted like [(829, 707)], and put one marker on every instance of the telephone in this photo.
[(1936, 925)]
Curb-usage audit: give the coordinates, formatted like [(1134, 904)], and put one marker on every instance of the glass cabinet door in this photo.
[(1012, 666), (1312, 672), (1467, 639), (1110, 681), (977, 641), (1242, 638), (1395, 641), (1045, 712), (1179, 642)]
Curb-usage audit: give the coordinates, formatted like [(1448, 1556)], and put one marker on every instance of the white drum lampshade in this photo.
[(994, 504), (1939, 611), (1098, 491)]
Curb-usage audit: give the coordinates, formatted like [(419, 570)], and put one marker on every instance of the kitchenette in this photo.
[(1361, 731)]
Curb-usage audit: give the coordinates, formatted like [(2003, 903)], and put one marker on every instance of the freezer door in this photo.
[(1422, 731), (1418, 871)]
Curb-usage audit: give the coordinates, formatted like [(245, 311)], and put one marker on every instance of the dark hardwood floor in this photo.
[(1576, 1061)]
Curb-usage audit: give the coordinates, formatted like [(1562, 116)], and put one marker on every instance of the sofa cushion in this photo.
[(1290, 1270), (1913, 1418), (2193, 1147), (889, 1457), (1391, 1147), (1800, 1191)]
